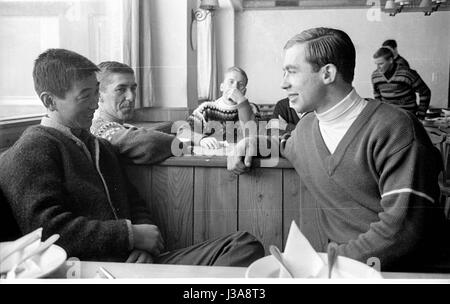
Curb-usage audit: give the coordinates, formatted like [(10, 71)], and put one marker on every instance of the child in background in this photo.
[(232, 106)]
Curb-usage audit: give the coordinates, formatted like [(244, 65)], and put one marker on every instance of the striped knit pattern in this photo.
[(216, 111), (401, 61), (400, 89)]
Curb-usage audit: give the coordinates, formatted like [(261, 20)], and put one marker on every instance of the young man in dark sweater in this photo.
[(60, 177), (397, 84), (368, 171), (116, 107)]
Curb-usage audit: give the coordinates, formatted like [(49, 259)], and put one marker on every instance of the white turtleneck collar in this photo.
[(335, 122)]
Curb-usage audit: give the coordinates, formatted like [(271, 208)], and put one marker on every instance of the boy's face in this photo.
[(233, 80), (119, 96), (383, 64), (77, 108)]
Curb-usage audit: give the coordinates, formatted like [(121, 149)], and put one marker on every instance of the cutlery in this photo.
[(106, 273), (41, 248), (279, 256), (332, 255)]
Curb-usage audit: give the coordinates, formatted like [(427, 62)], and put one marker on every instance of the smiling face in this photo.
[(77, 108), (119, 95), (304, 86)]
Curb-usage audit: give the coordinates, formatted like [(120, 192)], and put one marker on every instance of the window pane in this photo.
[(92, 28)]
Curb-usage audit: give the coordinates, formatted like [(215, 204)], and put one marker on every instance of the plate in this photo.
[(44, 264), (345, 268)]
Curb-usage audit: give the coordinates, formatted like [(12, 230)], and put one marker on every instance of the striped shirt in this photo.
[(401, 61), (401, 88)]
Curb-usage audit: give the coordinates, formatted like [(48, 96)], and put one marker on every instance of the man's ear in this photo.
[(221, 87), (329, 73), (48, 99)]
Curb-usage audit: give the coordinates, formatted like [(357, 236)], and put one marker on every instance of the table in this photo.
[(84, 270)]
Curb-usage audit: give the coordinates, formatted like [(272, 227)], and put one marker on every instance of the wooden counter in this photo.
[(195, 198)]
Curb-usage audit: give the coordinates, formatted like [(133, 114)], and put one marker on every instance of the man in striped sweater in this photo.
[(397, 84), (368, 171)]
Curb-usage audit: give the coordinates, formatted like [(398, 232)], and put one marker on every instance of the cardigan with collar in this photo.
[(50, 181)]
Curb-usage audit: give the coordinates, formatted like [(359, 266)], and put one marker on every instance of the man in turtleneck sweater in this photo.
[(116, 106), (368, 171)]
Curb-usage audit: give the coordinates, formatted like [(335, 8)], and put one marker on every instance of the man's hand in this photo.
[(210, 143), (139, 257), (235, 96), (148, 238), (241, 158)]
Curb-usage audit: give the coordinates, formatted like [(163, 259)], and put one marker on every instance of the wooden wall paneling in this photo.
[(260, 205), (291, 201), (215, 203), (172, 202)]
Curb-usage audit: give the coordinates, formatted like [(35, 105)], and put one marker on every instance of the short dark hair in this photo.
[(238, 70), (391, 43), (385, 52), (111, 67), (327, 45), (56, 70)]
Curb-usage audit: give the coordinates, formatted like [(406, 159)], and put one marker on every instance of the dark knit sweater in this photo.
[(401, 88), (283, 109), (402, 61), (377, 194), (50, 182), (137, 144)]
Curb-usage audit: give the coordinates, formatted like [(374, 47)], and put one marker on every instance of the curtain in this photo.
[(137, 48), (206, 59)]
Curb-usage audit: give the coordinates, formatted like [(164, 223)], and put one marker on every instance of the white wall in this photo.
[(423, 41), (174, 63)]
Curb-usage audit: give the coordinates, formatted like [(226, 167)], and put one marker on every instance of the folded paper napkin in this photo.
[(304, 262), (299, 256), (13, 252)]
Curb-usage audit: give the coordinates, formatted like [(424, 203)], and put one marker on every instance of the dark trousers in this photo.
[(236, 249)]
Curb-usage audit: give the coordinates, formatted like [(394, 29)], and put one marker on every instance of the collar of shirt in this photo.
[(71, 133), (344, 110)]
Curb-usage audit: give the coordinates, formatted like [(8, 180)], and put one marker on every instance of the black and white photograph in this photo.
[(221, 142)]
